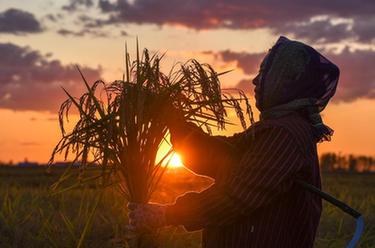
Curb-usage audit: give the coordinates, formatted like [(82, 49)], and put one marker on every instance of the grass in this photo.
[(31, 217)]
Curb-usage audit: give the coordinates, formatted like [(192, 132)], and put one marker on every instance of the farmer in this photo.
[(254, 201)]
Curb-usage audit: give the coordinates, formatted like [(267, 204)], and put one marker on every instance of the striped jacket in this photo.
[(254, 201)]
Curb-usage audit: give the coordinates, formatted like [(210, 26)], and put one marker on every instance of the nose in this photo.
[(256, 80)]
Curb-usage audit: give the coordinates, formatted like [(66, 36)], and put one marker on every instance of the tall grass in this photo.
[(122, 124), (31, 217)]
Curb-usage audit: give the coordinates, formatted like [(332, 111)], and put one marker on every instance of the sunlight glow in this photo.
[(175, 161)]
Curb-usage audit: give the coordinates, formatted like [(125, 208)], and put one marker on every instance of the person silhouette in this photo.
[(255, 201)]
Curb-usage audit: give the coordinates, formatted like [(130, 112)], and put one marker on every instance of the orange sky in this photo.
[(31, 133)]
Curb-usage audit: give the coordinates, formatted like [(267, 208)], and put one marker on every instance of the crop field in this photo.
[(30, 216)]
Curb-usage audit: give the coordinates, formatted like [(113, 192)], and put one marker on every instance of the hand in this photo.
[(143, 217), (131, 233)]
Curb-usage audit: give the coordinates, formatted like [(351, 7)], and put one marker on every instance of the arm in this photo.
[(264, 174), (200, 152)]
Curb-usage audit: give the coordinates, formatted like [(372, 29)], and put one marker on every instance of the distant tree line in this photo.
[(329, 162), (28, 164), (333, 162)]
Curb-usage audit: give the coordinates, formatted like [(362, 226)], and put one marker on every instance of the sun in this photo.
[(167, 156), (175, 161)]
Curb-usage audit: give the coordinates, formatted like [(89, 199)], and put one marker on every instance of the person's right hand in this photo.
[(146, 216)]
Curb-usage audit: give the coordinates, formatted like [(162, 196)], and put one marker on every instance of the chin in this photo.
[(257, 105)]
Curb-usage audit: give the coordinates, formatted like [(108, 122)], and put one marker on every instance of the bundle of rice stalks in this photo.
[(122, 124)]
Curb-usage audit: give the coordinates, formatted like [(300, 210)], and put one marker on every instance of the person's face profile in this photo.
[(258, 78)]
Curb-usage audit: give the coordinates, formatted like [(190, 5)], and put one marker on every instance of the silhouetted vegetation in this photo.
[(332, 162), (329, 162)]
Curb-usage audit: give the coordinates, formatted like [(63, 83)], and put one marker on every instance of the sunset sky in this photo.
[(42, 40)]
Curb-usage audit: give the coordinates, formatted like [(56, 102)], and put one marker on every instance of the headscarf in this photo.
[(297, 78)]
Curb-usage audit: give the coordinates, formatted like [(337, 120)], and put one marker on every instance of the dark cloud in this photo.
[(107, 6), (357, 76), (51, 17), (365, 28), (124, 33), (248, 62), (17, 21), (360, 29), (92, 32), (81, 33), (67, 32), (319, 31), (232, 14), (76, 4), (54, 17), (32, 81), (282, 16)]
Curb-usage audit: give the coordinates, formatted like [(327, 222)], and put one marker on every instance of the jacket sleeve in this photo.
[(202, 153), (265, 172)]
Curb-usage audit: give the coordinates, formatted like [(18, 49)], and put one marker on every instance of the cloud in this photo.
[(55, 18), (281, 16), (76, 4), (92, 32), (357, 76), (248, 62), (325, 30), (86, 26), (232, 14), (365, 27), (17, 21), (67, 32), (44, 119), (320, 31), (82, 32), (29, 143), (32, 81)]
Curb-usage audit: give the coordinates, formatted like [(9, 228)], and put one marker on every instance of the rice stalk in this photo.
[(122, 124)]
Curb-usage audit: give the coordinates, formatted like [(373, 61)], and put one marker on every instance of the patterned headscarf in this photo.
[(297, 78)]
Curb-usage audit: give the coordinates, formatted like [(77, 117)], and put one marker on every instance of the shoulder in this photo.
[(263, 135), (288, 128), (294, 124), (293, 131)]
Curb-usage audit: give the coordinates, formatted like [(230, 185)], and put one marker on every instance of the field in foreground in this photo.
[(31, 217)]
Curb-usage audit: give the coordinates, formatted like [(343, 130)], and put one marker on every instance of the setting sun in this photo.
[(175, 161)]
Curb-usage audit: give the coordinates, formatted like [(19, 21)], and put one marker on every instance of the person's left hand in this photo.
[(146, 216)]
